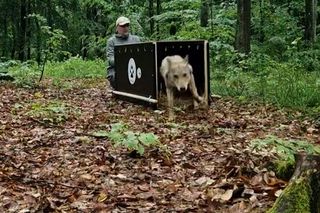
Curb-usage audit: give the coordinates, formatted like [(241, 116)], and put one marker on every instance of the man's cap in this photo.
[(122, 21)]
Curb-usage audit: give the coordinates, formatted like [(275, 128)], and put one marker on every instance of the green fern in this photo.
[(285, 148), (120, 135)]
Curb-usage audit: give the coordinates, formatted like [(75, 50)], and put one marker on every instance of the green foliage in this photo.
[(275, 21), (55, 42), (4, 66), (120, 135), (52, 40), (308, 60), (260, 77), (285, 150), (75, 67), (27, 73), (191, 31), (222, 30), (53, 112), (182, 15), (279, 70), (275, 47), (133, 141), (94, 45)]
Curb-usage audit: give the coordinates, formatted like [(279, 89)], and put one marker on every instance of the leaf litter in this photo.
[(55, 165)]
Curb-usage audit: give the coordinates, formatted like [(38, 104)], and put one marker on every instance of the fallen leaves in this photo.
[(73, 167)]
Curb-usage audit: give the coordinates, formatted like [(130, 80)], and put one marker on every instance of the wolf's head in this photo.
[(180, 72)]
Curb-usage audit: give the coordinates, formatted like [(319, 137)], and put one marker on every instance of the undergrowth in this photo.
[(136, 142), (285, 151), (27, 74)]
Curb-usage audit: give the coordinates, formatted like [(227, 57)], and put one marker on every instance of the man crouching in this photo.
[(177, 73)]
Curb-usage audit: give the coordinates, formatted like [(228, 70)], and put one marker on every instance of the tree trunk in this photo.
[(243, 26), (311, 21), (303, 191), (158, 13), (151, 13), (261, 31), (204, 13), (38, 42), (5, 49), (22, 31), (49, 14), (211, 17), (15, 31), (28, 31)]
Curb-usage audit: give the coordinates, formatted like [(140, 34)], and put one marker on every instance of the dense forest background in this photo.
[(261, 49), (67, 144)]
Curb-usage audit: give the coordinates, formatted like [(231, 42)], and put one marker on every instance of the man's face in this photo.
[(123, 29)]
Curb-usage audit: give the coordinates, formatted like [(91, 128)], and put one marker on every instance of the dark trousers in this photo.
[(111, 78)]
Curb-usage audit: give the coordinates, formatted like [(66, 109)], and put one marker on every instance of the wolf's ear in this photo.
[(169, 61), (186, 58), (190, 69)]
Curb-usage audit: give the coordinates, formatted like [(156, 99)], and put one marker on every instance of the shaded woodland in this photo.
[(68, 145)]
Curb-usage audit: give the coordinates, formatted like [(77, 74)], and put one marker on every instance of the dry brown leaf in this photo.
[(147, 195), (86, 177), (67, 170), (204, 181), (190, 196), (257, 180), (102, 196), (227, 195), (278, 193)]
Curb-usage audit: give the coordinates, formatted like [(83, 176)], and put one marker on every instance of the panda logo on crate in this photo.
[(133, 72)]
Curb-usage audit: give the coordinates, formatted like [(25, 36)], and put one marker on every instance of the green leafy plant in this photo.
[(75, 67), (259, 77), (25, 74), (120, 135), (53, 112), (285, 150)]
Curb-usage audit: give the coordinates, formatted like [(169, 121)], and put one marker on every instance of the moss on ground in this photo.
[(295, 198)]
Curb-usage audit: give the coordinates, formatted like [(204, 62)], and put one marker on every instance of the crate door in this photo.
[(198, 53), (136, 77)]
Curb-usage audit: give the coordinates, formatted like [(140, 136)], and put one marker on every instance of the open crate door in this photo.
[(198, 52), (136, 73)]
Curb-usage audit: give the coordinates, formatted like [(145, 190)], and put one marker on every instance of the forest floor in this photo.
[(50, 160)]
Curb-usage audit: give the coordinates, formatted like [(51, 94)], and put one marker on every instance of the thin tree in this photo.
[(158, 13), (22, 28), (151, 14), (261, 27), (4, 39), (242, 43), (204, 13), (311, 21)]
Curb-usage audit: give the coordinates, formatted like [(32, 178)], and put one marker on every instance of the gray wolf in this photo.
[(177, 74)]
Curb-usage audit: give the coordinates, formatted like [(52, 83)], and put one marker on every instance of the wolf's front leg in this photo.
[(196, 98), (194, 91), (170, 103)]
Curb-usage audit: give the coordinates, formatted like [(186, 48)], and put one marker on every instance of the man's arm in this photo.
[(138, 39), (110, 52)]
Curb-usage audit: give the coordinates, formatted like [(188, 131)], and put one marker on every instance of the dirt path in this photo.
[(51, 162)]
